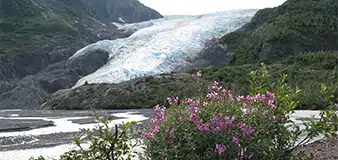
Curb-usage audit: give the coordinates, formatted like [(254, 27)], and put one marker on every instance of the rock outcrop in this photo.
[(33, 90)]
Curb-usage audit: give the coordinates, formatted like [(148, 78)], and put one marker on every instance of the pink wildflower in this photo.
[(214, 85), (271, 95), (196, 119), (206, 128), (205, 103), (273, 107), (212, 95), (224, 91), (235, 140), (193, 76), (194, 109), (265, 114), (157, 107), (170, 101), (275, 118), (220, 149), (176, 99), (240, 125), (156, 128), (231, 96), (149, 135), (199, 74), (187, 100), (245, 105), (229, 119), (253, 132)]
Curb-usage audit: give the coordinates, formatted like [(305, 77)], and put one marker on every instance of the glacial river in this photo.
[(19, 142), (50, 132)]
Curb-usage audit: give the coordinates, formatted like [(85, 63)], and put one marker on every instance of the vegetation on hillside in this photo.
[(27, 26), (294, 27)]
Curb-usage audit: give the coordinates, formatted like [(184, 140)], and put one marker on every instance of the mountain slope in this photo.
[(40, 21), (36, 34), (290, 38), (294, 27)]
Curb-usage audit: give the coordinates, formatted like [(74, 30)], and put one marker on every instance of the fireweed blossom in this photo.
[(220, 124), (205, 104), (215, 86), (265, 114), (199, 74), (171, 100), (268, 98), (213, 95), (196, 111), (235, 140), (275, 118), (220, 149), (159, 117), (193, 109), (224, 91), (187, 100)]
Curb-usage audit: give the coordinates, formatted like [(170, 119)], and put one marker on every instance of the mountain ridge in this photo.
[(304, 65), (36, 34)]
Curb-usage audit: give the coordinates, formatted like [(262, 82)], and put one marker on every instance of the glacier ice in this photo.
[(159, 46)]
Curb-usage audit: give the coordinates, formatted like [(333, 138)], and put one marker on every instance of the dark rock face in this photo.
[(37, 37), (213, 54), (33, 90)]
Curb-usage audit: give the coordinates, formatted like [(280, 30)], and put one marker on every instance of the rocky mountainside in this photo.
[(290, 38), (38, 36)]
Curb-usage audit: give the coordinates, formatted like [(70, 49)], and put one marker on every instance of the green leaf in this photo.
[(77, 141)]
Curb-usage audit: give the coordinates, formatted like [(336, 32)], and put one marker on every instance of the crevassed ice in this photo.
[(161, 45)]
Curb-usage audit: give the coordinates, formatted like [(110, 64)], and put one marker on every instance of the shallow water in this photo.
[(63, 124)]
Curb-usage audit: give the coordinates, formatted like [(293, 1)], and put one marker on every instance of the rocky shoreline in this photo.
[(324, 149), (34, 142)]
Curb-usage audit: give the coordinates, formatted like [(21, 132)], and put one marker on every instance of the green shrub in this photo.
[(226, 126), (106, 143)]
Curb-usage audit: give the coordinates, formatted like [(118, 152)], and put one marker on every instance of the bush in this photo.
[(106, 143), (220, 125), (226, 126)]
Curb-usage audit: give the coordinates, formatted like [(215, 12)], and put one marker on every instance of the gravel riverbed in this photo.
[(26, 133)]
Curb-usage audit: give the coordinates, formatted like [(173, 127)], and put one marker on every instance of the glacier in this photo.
[(160, 46)]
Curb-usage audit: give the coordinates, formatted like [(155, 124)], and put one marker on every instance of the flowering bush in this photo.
[(223, 125)]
